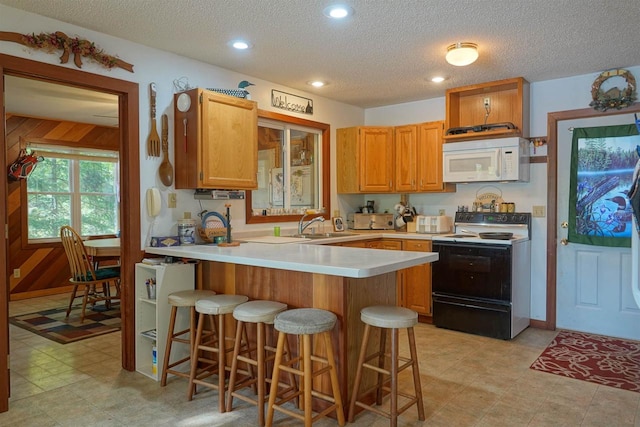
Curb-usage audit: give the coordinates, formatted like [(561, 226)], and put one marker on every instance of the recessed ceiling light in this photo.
[(337, 11), (316, 83), (438, 79), (240, 44)]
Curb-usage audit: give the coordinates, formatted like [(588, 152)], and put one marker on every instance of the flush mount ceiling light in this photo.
[(316, 83), (461, 54), (438, 79), (338, 11), (240, 44)]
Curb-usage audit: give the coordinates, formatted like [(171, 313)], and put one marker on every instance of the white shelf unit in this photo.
[(153, 314)]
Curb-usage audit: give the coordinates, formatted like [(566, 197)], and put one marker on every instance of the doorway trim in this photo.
[(552, 196), (128, 110)]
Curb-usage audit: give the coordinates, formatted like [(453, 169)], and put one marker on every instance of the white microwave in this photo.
[(488, 160)]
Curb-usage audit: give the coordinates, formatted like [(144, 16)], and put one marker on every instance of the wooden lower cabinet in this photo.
[(414, 284)]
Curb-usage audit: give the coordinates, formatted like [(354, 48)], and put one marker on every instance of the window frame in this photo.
[(67, 152), (325, 130)]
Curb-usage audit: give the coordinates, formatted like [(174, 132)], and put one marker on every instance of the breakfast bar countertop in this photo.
[(309, 258)]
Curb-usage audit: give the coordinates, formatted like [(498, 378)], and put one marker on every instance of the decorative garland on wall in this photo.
[(614, 97), (69, 45)]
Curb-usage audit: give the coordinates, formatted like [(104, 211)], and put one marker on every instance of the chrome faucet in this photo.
[(302, 226)]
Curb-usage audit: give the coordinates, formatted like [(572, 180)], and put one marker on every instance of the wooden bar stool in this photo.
[(306, 322), (388, 318), (181, 299), (260, 313), (203, 366)]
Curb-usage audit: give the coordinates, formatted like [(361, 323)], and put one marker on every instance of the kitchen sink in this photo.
[(322, 235)]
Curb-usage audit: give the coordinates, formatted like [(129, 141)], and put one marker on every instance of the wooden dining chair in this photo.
[(83, 273)]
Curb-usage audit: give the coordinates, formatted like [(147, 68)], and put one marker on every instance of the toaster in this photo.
[(436, 224), (362, 221)]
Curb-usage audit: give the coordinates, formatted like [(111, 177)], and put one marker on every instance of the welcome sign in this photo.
[(290, 102)]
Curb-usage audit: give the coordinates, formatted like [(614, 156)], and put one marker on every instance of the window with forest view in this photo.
[(76, 187)]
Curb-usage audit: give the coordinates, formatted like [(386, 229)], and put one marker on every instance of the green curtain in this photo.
[(602, 163)]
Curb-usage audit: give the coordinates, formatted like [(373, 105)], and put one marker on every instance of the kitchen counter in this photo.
[(309, 256), (311, 273)]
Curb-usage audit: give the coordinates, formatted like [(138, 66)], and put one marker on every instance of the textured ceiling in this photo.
[(386, 53)]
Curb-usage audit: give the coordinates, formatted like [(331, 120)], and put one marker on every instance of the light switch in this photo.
[(172, 200), (538, 211)]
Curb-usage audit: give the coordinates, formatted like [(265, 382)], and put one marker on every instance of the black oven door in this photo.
[(473, 270)]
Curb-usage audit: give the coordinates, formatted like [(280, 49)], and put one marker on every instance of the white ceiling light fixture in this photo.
[(316, 83), (462, 53), (240, 44), (438, 79), (338, 11)]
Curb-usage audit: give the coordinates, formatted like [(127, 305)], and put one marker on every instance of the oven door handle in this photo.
[(479, 307)]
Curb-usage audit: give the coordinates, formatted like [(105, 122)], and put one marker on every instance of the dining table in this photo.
[(100, 250), (103, 247)]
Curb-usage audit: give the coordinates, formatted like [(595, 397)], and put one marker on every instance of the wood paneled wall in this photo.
[(44, 269)]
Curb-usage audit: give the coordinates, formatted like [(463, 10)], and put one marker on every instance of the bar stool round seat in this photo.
[(306, 322), (389, 319), (260, 313), (181, 299), (213, 341), (219, 304), (385, 316)]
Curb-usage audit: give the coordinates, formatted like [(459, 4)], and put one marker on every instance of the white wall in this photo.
[(548, 96), (152, 65)]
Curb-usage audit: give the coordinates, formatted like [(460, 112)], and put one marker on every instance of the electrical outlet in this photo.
[(16, 273), (172, 200), (486, 102), (538, 211), (441, 212)]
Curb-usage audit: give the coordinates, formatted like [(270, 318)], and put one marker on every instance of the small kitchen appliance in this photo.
[(433, 224), (364, 221), (482, 281), (489, 160)]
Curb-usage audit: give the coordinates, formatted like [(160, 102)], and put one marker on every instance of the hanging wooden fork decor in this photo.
[(153, 141)]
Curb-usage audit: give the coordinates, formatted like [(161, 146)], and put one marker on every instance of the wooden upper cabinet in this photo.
[(365, 159), (429, 174), (216, 142), (508, 103), (407, 161)]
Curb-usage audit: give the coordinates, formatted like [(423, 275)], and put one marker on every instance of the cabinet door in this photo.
[(228, 153), (376, 159), (430, 158), (416, 281), (406, 146)]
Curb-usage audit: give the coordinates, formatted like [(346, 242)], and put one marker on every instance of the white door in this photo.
[(593, 286)]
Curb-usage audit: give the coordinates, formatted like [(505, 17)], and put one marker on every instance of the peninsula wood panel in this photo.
[(44, 269), (345, 297)]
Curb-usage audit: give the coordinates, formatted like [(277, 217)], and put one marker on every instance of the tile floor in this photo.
[(467, 381)]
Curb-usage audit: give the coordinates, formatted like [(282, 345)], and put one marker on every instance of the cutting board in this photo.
[(272, 239)]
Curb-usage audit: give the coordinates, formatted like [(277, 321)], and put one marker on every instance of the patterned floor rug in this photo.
[(53, 325), (594, 358)]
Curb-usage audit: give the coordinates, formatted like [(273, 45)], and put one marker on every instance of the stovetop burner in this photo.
[(489, 228)]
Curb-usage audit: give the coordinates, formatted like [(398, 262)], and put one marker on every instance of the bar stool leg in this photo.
[(194, 357), (167, 351), (222, 354), (358, 379), (306, 357), (274, 383), (394, 377), (381, 355), (260, 340), (416, 374), (334, 379)]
